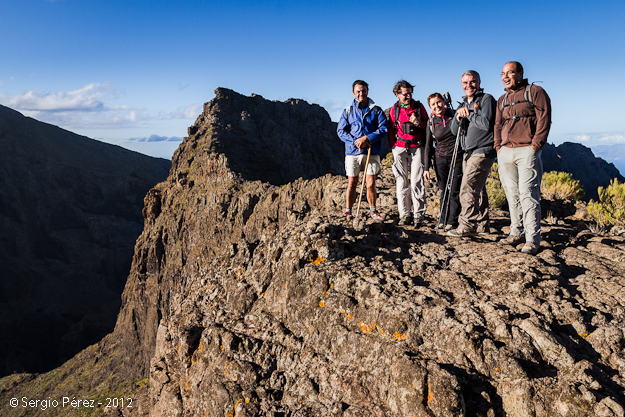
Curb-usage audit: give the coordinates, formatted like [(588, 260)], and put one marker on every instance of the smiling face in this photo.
[(470, 85), (361, 93), (511, 76), (405, 95), (437, 106)]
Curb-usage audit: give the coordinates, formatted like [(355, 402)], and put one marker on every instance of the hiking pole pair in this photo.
[(446, 200), (364, 179)]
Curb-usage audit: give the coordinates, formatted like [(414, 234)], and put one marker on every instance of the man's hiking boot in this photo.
[(512, 240), (445, 227), (530, 248), (418, 221), (376, 216), (406, 221), (459, 232), (483, 231)]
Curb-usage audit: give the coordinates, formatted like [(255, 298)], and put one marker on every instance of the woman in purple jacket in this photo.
[(438, 130)]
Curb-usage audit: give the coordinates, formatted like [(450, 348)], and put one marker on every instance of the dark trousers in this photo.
[(443, 168)]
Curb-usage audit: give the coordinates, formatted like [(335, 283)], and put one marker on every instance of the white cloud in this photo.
[(189, 112), (156, 138), (86, 98), (87, 108), (605, 138)]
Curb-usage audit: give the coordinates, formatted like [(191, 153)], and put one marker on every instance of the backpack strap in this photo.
[(527, 98), (528, 94), (431, 125)]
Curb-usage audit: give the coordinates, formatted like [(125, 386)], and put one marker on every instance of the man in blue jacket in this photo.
[(362, 125)]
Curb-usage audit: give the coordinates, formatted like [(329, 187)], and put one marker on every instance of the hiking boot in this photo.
[(376, 216), (530, 248), (418, 221), (348, 213), (405, 221), (461, 233), (448, 227), (483, 231), (512, 240)]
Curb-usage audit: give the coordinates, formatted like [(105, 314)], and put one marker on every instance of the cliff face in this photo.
[(251, 299), (70, 212)]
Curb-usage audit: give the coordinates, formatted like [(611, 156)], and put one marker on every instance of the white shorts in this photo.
[(356, 163)]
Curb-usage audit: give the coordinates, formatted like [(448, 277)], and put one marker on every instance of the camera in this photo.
[(409, 128)]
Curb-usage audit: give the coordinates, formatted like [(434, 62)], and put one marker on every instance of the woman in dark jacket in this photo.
[(438, 130)]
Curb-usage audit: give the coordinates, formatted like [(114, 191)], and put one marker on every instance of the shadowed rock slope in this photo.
[(249, 299), (70, 213)]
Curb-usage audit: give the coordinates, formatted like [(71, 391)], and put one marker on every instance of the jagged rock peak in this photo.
[(272, 141)]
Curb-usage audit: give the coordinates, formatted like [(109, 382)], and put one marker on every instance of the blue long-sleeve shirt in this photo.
[(356, 123)]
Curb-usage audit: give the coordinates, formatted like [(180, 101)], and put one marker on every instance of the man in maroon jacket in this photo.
[(521, 127)]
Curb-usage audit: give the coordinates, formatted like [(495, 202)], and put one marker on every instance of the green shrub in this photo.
[(560, 186), (610, 209), (496, 194), (388, 159)]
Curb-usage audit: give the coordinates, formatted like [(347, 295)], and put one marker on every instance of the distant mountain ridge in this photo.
[(591, 171), (70, 212), (612, 153)]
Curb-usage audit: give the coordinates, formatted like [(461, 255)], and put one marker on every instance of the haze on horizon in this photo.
[(136, 73)]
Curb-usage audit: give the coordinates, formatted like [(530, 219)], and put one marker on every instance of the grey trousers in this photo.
[(473, 196), (409, 187), (520, 172)]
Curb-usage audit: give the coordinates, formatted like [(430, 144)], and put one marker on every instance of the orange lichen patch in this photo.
[(285, 284), (317, 261), (367, 328), (380, 330), (186, 386), (261, 294), (430, 394), (322, 304), (199, 348), (310, 329), (226, 370), (221, 347), (347, 315), (584, 335), (399, 336)]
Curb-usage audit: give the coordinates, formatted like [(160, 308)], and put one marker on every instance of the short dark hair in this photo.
[(435, 95), (401, 84), (359, 82), (519, 67)]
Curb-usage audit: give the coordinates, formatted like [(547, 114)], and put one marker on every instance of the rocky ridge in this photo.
[(251, 299)]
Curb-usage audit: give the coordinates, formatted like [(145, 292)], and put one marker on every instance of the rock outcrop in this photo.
[(70, 213), (251, 299), (269, 141)]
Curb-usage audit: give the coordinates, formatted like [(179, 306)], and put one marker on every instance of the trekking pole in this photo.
[(446, 200), (362, 186), (447, 100)]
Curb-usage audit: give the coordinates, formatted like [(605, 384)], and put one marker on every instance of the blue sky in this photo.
[(136, 73)]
